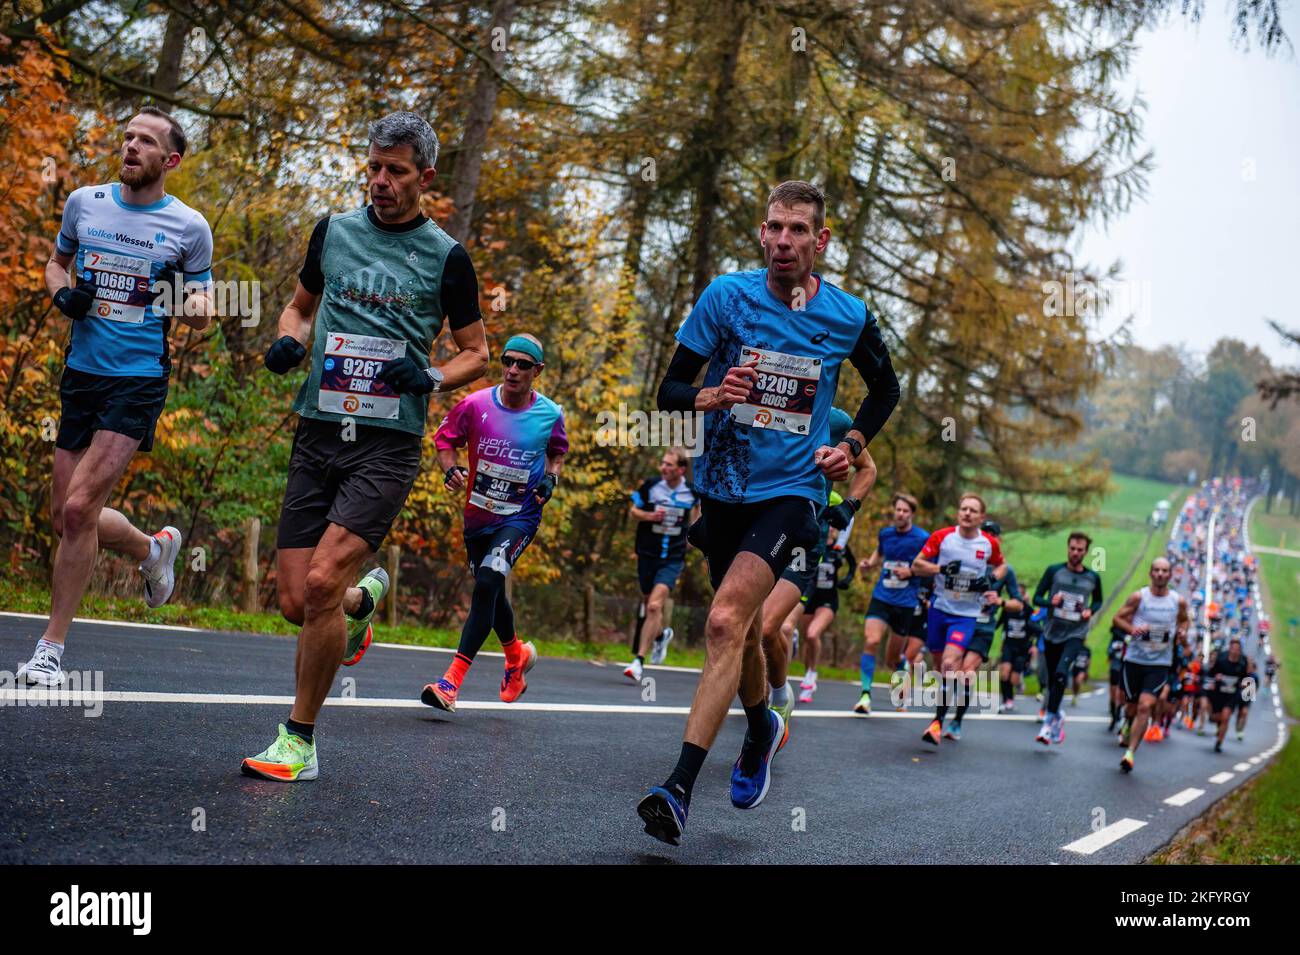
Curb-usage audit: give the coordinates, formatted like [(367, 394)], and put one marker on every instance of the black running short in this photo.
[(815, 598), (981, 642), (770, 529), (904, 621), (1224, 701), (1138, 678), (499, 549), (652, 571), (803, 579), (360, 485), (1015, 652), (91, 403), (1115, 670)]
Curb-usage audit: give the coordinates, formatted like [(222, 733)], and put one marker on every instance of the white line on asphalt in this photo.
[(1242, 767), (109, 623), (40, 697), (1104, 837), (1255, 760), (1184, 797), (1221, 777)]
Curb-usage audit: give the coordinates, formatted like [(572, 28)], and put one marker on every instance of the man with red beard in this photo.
[(128, 259)]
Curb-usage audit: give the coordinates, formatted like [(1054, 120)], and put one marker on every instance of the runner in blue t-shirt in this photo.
[(895, 600), (128, 259), (774, 340)]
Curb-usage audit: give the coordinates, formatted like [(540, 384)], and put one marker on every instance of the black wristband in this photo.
[(855, 447)]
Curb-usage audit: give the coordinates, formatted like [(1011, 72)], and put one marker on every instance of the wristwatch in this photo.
[(855, 447), (436, 376), (855, 503)]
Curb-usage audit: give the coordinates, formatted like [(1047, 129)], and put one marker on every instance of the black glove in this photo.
[(546, 487), (952, 568), (405, 377), (446, 477), (839, 515), (695, 534), (165, 284), (982, 583), (76, 302), (284, 353)]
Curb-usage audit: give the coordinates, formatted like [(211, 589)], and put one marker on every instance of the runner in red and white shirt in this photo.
[(962, 560)]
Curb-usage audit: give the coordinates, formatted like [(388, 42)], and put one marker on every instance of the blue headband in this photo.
[(527, 346)]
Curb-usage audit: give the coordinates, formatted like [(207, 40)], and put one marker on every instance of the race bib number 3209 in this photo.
[(348, 382), (783, 394)]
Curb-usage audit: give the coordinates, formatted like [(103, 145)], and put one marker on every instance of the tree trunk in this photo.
[(482, 107), (168, 75)]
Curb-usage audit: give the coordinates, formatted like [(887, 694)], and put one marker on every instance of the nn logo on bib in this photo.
[(77, 908)]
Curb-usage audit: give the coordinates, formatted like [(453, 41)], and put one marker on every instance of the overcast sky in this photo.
[(1219, 249)]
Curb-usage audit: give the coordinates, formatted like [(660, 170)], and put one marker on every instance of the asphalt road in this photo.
[(154, 777)]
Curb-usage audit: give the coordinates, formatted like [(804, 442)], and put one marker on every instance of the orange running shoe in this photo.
[(441, 695), (1152, 735), (932, 733), (513, 683)]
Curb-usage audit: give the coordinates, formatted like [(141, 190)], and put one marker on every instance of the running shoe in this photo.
[(1042, 713), (1218, 746), (1200, 731), (1114, 718), (809, 681), (1126, 761), (1058, 728), (664, 814), (44, 668), (752, 774), (660, 650), (360, 632), (513, 683), (633, 671), (933, 732), (290, 759), (441, 694), (863, 705), (1011, 706), (786, 708), (952, 730), (1240, 736), (806, 696), (160, 574), (1045, 733), (1152, 735)]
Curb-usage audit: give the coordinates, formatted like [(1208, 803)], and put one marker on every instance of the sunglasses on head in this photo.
[(523, 364)]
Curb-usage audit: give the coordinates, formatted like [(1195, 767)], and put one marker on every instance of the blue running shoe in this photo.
[(747, 791), (664, 815), (953, 730)]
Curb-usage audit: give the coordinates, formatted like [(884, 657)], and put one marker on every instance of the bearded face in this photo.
[(140, 170)]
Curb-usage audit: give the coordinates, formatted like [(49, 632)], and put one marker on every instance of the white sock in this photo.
[(779, 695), (55, 648), (812, 676)]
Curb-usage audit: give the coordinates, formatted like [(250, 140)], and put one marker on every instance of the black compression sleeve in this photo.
[(677, 391), (311, 276), (870, 357), (460, 289)]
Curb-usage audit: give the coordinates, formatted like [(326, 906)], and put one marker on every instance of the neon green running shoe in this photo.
[(289, 759), (863, 705), (360, 632)]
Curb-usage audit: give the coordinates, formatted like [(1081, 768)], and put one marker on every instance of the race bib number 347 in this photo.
[(348, 382), (783, 394)]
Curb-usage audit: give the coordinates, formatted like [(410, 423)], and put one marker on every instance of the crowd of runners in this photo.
[(771, 502)]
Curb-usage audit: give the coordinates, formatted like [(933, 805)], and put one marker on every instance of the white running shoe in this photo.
[(807, 694), (43, 668), (660, 649), (809, 681), (1045, 733), (633, 671), (160, 575)]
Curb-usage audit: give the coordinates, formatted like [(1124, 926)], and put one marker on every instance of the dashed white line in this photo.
[(1221, 777), (1104, 837), (111, 623), (1242, 767), (1255, 760), (1184, 797)]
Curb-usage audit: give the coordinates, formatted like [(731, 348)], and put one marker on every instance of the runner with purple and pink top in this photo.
[(517, 443)]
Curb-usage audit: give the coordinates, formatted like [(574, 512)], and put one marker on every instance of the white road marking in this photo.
[(112, 623), (1184, 797), (1221, 777), (1104, 837), (1242, 767), (1255, 760)]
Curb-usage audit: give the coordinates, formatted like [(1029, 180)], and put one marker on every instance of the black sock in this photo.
[(301, 730), (760, 724), (1008, 691), (961, 711), (640, 658), (689, 763), (365, 608)]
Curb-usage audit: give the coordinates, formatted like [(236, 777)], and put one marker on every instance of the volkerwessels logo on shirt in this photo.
[(160, 237), (95, 233), (74, 908)]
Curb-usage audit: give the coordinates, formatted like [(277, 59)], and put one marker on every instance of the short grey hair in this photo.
[(407, 129)]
